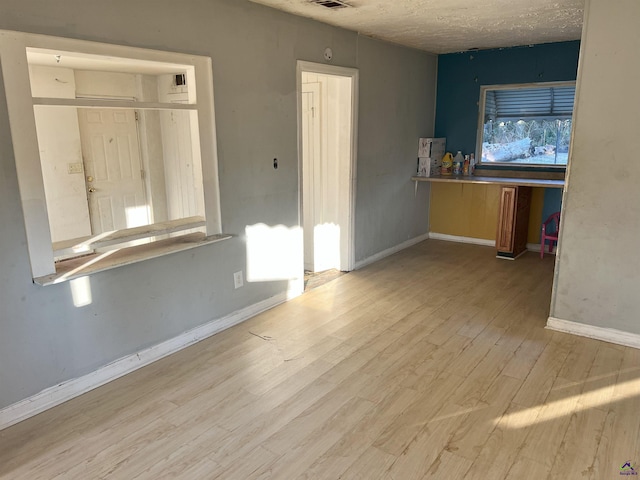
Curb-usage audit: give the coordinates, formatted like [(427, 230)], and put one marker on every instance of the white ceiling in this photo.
[(445, 26)]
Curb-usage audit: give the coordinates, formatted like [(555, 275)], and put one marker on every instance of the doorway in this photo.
[(327, 122)]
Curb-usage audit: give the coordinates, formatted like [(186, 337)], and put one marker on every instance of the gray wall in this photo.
[(44, 339), (598, 268), (397, 106)]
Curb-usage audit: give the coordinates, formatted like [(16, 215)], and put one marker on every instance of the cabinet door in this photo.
[(506, 219), (521, 227)]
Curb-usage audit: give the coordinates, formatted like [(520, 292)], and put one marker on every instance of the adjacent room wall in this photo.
[(60, 148), (45, 339), (181, 151), (460, 76), (597, 280), (151, 146)]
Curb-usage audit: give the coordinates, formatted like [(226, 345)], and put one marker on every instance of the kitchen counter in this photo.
[(523, 182)]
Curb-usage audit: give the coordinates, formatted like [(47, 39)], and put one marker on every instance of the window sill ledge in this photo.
[(99, 262), (87, 244), (523, 168)]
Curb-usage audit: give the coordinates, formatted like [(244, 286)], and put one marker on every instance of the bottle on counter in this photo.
[(447, 164), (458, 162), (472, 164), (466, 166)]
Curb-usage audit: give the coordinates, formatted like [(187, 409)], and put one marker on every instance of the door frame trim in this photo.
[(309, 205), (354, 74)]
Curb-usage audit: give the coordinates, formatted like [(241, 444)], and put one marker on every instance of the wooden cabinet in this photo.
[(513, 221), (515, 203)]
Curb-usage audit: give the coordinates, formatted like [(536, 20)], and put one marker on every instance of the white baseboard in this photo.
[(532, 247), (67, 390), (456, 238), (610, 335), (390, 251), (500, 257), (535, 247)]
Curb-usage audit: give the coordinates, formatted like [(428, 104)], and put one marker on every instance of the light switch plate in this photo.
[(74, 167)]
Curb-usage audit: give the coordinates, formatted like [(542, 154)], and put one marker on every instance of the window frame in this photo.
[(480, 126), (20, 106)]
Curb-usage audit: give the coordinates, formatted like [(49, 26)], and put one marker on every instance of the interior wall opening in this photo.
[(114, 169)]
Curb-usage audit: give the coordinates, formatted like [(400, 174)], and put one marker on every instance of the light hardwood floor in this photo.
[(432, 363)]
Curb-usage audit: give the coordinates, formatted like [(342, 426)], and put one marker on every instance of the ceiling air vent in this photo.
[(331, 3)]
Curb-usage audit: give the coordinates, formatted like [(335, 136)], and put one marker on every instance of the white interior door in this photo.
[(311, 155), (113, 169)]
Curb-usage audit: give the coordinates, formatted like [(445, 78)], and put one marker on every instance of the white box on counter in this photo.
[(432, 147), (429, 167)]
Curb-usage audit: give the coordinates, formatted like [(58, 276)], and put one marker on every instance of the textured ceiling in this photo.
[(445, 26)]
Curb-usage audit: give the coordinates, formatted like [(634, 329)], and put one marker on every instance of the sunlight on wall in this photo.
[(274, 253), (81, 291), (326, 247), (570, 405)]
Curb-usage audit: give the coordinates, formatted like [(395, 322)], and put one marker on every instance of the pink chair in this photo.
[(551, 236)]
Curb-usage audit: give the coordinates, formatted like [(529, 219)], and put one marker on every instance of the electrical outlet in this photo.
[(237, 279)]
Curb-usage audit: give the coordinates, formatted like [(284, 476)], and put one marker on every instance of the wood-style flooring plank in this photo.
[(503, 445), (431, 363), (346, 452), (371, 465), (620, 441)]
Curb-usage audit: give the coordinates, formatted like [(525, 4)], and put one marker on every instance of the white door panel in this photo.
[(113, 169), (311, 155), (325, 123)]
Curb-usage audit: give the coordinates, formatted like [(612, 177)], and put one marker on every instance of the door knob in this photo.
[(91, 190), (89, 178)]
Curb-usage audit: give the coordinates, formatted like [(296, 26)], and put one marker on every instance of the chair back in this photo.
[(555, 219)]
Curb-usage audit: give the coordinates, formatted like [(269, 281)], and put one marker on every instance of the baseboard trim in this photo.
[(455, 238), (535, 247), (69, 389), (504, 257), (610, 335), (390, 251), (532, 247)]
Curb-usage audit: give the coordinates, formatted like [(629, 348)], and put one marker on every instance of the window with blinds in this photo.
[(526, 124)]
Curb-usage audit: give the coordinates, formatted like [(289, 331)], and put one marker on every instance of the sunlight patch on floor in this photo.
[(572, 404)]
